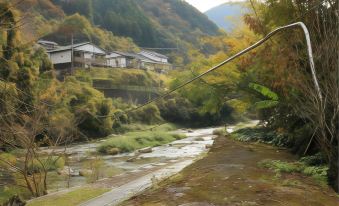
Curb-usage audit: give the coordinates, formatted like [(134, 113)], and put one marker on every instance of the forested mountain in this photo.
[(228, 16), (274, 83), (149, 23)]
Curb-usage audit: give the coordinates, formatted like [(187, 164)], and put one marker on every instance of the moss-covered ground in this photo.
[(230, 175), (71, 198)]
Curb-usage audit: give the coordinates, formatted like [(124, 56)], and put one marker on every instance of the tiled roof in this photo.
[(47, 42), (154, 54), (69, 47)]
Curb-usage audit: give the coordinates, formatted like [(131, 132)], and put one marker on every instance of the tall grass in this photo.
[(136, 140), (134, 127), (319, 172), (49, 163)]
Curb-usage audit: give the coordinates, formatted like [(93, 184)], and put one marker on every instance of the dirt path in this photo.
[(229, 175)]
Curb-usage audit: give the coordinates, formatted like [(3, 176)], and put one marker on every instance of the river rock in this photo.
[(132, 159), (113, 151), (66, 171), (85, 172), (208, 146), (145, 150)]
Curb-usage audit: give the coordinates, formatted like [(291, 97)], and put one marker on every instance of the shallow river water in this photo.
[(196, 143)]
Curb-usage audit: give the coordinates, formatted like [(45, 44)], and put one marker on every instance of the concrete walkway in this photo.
[(126, 191)]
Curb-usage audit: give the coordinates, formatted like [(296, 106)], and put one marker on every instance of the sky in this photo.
[(204, 5)]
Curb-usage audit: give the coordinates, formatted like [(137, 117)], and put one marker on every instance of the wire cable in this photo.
[(253, 46)]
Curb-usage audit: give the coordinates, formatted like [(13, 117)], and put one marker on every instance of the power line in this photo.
[(253, 46), (169, 48)]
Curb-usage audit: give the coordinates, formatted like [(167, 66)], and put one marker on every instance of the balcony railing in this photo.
[(94, 62)]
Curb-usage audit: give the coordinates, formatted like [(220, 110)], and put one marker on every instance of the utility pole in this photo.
[(92, 58), (72, 56)]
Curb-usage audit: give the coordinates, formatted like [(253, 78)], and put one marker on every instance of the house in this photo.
[(146, 60), (118, 59), (141, 60), (83, 55), (154, 56), (155, 61), (86, 55)]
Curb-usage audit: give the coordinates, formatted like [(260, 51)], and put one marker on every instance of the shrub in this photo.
[(280, 166), (93, 169), (319, 173), (49, 163), (263, 135), (317, 159), (148, 115), (7, 157)]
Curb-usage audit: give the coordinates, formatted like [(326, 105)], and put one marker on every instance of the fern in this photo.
[(264, 91), (266, 104), (272, 96)]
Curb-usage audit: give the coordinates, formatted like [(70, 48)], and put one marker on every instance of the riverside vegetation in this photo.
[(313, 165)]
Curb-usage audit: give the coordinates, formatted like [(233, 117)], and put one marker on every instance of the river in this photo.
[(81, 155)]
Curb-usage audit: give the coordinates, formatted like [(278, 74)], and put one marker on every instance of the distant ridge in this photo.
[(118, 24), (228, 16)]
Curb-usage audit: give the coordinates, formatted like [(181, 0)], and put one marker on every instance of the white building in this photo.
[(146, 60), (84, 55), (117, 59)]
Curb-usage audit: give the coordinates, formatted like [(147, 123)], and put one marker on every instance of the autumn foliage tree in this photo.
[(283, 66)]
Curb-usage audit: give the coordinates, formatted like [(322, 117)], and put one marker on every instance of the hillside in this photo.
[(227, 16), (150, 23), (120, 25)]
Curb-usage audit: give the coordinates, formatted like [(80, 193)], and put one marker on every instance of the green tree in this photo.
[(283, 66)]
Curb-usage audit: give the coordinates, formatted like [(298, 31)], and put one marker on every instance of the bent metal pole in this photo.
[(267, 37)]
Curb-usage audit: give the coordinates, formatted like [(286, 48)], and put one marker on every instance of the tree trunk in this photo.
[(333, 170)]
